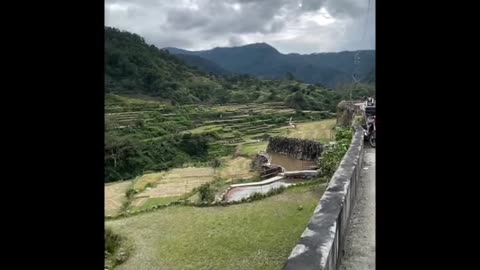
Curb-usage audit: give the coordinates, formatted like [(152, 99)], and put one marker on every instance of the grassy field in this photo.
[(318, 130), (250, 149), (115, 196), (258, 235), (236, 168)]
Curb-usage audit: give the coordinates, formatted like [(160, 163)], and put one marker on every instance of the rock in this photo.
[(260, 160), (345, 112)]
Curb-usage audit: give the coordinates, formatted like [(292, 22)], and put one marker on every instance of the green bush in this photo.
[(216, 163), (112, 241), (276, 191), (116, 251), (333, 153), (206, 193), (343, 134), (256, 196)]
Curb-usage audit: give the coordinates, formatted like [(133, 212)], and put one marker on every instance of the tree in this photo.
[(294, 88), (139, 123), (239, 97), (289, 76), (194, 145), (273, 95), (123, 158), (297, 101)]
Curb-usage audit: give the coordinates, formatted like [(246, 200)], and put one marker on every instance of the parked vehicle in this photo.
[(372, 134), (370, 119)]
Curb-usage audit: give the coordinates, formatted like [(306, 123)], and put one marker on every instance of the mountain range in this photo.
[(265, 62), (134, 67)]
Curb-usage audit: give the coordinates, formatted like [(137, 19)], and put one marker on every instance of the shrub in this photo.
[(112, 241), (206, 193), (256, 196), (343, 134), (216, 163), (276, 191), (115, 250), (130, 192), (333, 154)]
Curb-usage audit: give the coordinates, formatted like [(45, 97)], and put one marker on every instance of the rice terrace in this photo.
[(261, 233), (172, 184)]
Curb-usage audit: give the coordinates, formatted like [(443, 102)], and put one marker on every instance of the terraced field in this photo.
[(319, 130), (262, 232), (165, 187), (232, 122), (180, 181), (241, 129), (236, 168)]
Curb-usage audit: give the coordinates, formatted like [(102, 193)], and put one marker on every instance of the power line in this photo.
[(356, 57), (366, 21)]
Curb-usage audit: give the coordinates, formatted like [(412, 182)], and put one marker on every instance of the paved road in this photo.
[(360, 242)]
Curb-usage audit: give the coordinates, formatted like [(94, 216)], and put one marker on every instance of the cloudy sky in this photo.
[(291, 26)]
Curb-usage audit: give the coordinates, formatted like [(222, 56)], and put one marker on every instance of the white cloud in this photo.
[(303, 26)]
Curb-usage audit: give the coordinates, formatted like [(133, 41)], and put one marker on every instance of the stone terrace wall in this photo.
[(295, 148)]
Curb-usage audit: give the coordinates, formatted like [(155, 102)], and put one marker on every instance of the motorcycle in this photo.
[(370, 131), (373, 136)]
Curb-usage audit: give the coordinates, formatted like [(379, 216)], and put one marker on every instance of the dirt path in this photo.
[(360, 242)]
